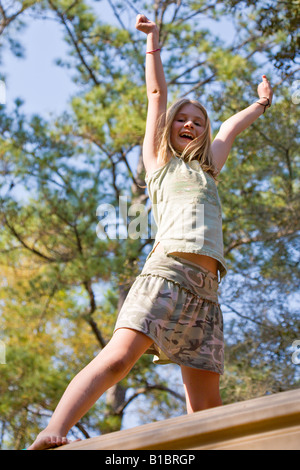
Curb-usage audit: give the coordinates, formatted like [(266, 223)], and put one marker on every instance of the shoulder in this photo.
[(156, 169)]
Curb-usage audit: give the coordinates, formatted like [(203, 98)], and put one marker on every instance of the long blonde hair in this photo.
[(199, 149)]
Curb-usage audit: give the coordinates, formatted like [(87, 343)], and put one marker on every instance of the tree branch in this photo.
[(75, 43), (251, 319), (7, 20), (146, 389), (259, 238), (33, 250), (95, 330)]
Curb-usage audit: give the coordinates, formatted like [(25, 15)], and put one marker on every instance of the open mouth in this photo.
[(186, 136)]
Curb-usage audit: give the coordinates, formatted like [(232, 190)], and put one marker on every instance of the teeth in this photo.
[(187, 135)]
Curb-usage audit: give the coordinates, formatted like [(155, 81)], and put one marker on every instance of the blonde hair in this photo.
[(199, 149)]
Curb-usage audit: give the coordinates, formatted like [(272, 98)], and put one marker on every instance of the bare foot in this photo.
[(46, 441)]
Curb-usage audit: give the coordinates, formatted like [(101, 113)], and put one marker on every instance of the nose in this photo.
[(189, 124)]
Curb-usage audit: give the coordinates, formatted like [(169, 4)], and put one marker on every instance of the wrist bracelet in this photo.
[(264, 105), (155, 50)]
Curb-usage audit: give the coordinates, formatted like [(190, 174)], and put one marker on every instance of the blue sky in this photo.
[(44, 86), (37, 79)]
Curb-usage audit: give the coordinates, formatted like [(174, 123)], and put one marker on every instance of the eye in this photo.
[(199, 124)]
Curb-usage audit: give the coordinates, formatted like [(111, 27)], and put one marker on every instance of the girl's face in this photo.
[(188, 124)]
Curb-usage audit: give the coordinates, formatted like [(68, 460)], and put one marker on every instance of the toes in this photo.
[(57, 441), (64, 441), (49, 442)]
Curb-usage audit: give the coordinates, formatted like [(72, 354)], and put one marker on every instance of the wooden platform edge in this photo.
[(266, 423)]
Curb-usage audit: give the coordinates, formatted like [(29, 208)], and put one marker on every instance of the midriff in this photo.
[(206, 261)]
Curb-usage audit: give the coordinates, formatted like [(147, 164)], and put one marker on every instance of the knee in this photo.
[(121, 352), (118, 366), (116, 363)]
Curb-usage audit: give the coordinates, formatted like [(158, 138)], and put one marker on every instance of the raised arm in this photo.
[(156, 93), (233, 126)]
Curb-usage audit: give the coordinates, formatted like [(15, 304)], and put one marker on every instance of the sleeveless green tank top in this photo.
[(187, 210)]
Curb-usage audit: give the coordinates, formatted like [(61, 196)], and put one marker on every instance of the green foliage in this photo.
[(61, 286), (273, 19)]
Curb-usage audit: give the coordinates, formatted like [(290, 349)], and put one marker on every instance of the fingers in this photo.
[(264, 89), (265, 81), (141, 19), (144, 24)]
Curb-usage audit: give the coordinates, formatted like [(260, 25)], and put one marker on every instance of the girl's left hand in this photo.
[(264, 89)]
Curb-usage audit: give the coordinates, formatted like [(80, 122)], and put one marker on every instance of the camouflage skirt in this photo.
[(175, 303)]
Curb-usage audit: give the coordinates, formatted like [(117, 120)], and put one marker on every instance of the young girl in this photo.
[(172, 309)]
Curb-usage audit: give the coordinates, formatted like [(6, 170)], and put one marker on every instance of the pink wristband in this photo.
[(155, 50)]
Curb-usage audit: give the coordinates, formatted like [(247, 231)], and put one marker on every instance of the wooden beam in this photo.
[(267, 423)]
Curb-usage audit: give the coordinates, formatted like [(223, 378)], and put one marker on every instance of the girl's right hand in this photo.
[(145, 25)]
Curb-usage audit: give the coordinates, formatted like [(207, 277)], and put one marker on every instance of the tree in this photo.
[(62, 285), (277, 20)]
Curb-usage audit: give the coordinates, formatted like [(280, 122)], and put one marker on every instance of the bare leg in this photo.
[(110, 366), (201, 389)]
